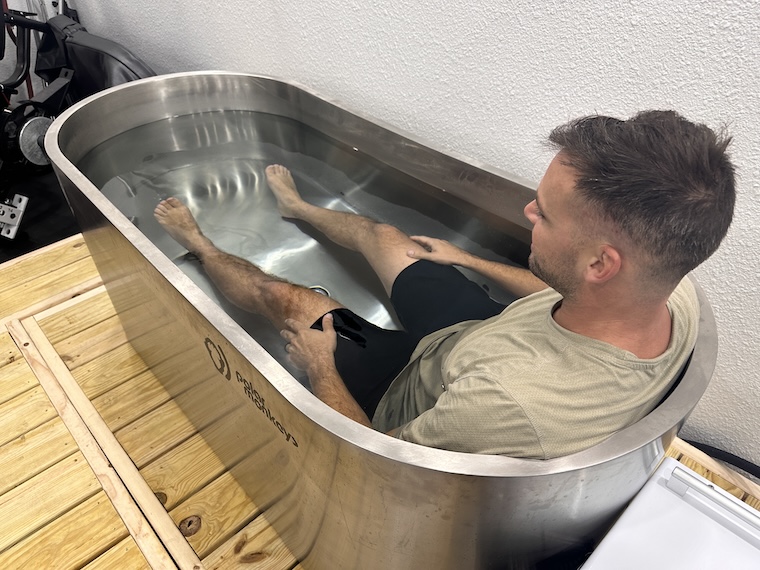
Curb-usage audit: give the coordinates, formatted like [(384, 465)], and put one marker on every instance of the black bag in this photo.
[(97, 63)]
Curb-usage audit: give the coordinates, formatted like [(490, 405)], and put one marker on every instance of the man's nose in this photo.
[(530, 212)]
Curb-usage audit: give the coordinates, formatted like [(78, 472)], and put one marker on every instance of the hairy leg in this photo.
[(240, 281), (384, 246)]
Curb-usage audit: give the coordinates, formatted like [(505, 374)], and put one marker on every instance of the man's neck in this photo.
[(642, 328)]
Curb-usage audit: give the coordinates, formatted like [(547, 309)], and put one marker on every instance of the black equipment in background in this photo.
[(73, 64)]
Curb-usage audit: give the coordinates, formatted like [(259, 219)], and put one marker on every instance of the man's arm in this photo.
[(519, 281), (314, 351), (328, 386)]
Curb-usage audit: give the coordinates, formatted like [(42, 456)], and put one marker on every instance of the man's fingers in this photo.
[(424, 241), (327, 323), (293, 325), (427, 247)]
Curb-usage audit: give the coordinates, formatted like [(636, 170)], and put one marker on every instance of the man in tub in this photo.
[(606, 320)]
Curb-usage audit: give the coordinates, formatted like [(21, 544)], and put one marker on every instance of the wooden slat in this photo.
[(28, 293), (138, 396), (24, 413), (15, 379), (15, 376), (70, 319), (77, 317), (167, 426), (673, 452), (43, 498), (83, 346), (256, 546), (185, 469), (55, 300), (117, 459), (8, 351), (48, 259), (78, 347), (33, 452), (123, 556), (753, 502), (223, 507), (118, 494), (117, 366), (131, 400), (72, 540), (108, 370), (71, 304)]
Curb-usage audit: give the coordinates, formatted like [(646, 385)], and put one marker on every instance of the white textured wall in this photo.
[(490, 78)]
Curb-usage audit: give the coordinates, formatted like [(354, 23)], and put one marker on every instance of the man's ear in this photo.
[(605, 265)]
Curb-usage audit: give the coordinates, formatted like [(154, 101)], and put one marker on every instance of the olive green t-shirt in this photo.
[(519, 384)]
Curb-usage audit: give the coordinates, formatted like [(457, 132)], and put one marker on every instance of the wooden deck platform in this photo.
[(86, 479)]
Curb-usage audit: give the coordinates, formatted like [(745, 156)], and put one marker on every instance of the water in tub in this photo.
[(214, 162)]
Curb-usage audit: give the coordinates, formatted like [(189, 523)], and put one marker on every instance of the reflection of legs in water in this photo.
[(240, 281), (382, 245), (251, 289)]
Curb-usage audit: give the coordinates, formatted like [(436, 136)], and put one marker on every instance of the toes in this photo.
[(168, 209), (276, 170), (168, 204)]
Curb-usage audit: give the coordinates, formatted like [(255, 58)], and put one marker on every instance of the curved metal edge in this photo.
[(618, 445), (421, 141)]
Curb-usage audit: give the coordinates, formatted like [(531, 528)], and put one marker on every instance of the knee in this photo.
[(387, 233), (281, 300), (276, 294)]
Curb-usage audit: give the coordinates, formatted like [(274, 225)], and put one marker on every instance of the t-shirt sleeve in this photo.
[(475, 415)]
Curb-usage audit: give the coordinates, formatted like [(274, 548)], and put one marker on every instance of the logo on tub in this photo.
[(222, 366)]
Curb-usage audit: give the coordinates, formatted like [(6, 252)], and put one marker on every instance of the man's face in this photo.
[(557, 236)]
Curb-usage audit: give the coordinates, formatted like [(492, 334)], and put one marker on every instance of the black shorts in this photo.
[(427, 297)]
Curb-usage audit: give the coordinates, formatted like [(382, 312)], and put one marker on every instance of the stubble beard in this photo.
[(561, 281)]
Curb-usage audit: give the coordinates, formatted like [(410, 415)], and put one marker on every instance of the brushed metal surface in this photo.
[(341, 495), (216, 166)]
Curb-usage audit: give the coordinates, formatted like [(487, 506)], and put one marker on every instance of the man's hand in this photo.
[(438, 251), (519, 281), (314, 351), (310, 349)]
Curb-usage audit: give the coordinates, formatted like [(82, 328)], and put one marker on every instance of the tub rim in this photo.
[(660, 424)]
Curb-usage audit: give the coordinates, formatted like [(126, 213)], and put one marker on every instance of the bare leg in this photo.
[(383, 246), (240, 281)]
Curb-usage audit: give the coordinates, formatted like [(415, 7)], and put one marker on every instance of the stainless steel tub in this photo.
[(340, 495)]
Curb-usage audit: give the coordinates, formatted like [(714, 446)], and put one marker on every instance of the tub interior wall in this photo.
[(215, 162)]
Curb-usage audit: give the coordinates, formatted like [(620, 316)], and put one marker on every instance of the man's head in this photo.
[(665, 185), (558, 244)]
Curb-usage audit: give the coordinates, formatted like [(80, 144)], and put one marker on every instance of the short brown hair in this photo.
[(666, 183)]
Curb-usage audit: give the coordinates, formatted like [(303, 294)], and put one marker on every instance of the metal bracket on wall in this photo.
[(11, 214)]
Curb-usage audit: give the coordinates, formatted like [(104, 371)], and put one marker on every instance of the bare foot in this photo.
[(284, 189), (180, 224)]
